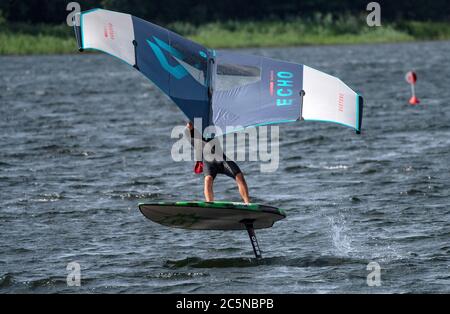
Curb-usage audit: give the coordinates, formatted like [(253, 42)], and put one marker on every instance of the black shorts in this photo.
[(226, 167)]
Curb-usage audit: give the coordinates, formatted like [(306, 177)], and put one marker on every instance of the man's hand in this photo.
[(190, 126)]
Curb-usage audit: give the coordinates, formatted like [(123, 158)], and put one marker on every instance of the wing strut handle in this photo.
[(302, 94)]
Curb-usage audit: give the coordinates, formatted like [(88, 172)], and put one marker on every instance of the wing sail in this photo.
[(228, 90), (176, 65), (253, 90), (329, 99)]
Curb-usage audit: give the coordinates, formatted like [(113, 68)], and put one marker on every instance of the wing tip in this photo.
[(359, 112)]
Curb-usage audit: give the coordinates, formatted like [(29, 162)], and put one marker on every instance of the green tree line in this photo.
[(204, 11)]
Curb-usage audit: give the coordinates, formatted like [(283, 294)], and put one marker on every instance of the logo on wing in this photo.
[(161, 49), (108, 31), (178, 71), (281, 84)]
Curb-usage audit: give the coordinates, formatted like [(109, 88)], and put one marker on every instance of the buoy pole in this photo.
[(411, 78)]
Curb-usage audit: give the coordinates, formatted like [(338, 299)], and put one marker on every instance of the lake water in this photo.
[(84, 138)]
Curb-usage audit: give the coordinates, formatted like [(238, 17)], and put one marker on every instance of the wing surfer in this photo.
[(210, 169)]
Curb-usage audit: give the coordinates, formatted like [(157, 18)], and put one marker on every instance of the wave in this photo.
[(6, 281), (178, 275), (135, 195), (242, 262), (295, 168)]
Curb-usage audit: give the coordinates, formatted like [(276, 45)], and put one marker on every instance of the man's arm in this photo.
[(196, 140)]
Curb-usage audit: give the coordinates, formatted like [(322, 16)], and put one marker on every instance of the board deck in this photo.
[(211, 215)]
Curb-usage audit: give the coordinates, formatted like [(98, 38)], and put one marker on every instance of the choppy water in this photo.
[(84, 138)]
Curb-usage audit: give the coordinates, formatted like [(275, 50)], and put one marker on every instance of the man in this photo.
[(212, 168)]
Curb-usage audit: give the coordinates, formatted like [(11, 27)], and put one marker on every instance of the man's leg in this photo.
[(209, 193), (243, 189)]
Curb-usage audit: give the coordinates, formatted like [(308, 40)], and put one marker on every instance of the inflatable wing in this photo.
[(224, 89)]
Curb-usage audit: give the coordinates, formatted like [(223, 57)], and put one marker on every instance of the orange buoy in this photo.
[(411, 78)]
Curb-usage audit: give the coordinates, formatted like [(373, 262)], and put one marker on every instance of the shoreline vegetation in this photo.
[(28, 39)]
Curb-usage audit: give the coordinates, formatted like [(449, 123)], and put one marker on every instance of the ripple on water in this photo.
[(75, 162)]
